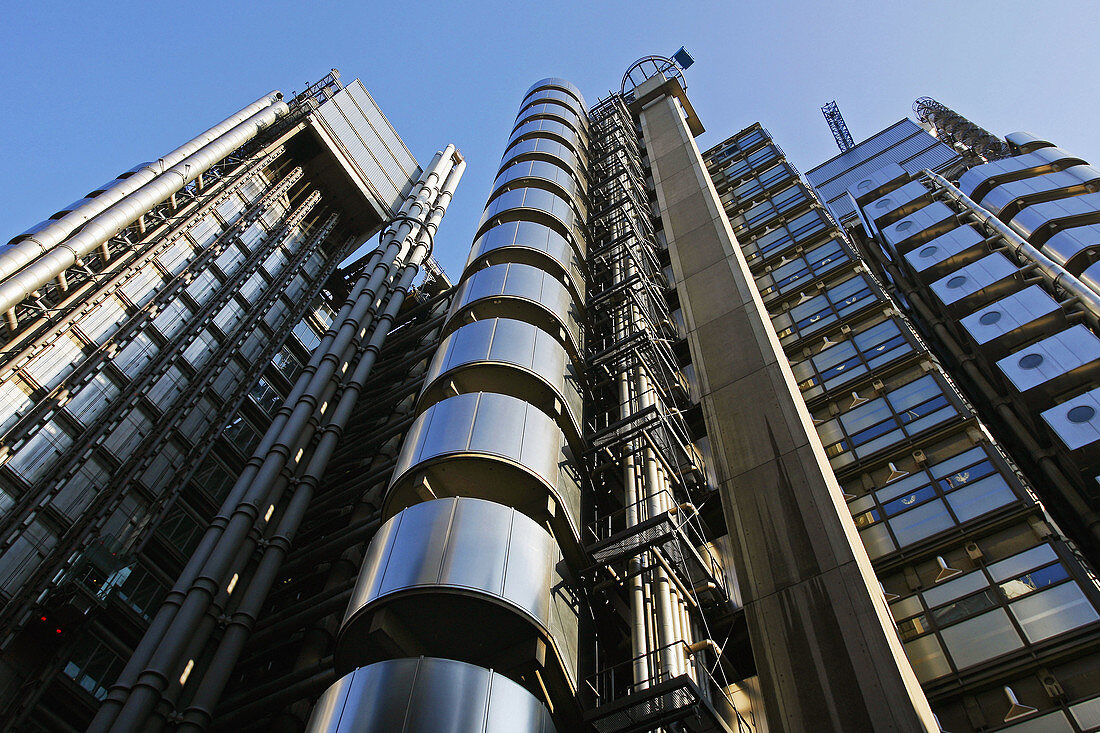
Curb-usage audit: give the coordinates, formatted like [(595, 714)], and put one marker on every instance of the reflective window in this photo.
[(231, 209), (212, 476), (172, 317), (142, 286), (287, 363), (204, 231), (175, 256), (51, 365), (981, 614), (811, 314), (37, 455), (266, 397), (103, 320), (241, 435), (803, 268), (15, 399), (950, 492), (872, 424), (91, 399), (179, 530), (136, 587), (842, 361)]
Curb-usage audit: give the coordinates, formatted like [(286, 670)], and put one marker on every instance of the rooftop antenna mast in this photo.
[(836, 124)]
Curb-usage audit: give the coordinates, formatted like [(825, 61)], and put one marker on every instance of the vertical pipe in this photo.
[(207, 574)]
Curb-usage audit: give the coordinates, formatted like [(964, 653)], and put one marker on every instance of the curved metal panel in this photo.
[(427, 695), (1026, 142), (898, 203), (553, 170), (1008, 198), (977, 181), (536, 204), (544, 175), (509, 356), (947, 252), (1038, 222), (551, 98), (495, 447), (530, 243), (464, 579), (920, 226), (983, 281), (542, 148), (554, 81), (557, 113), (1075, 248), (523, 292), (550, 128)]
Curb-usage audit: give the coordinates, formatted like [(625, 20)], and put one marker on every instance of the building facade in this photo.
[(677, 451)]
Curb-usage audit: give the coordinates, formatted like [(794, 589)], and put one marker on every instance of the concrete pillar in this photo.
[(827, 652)]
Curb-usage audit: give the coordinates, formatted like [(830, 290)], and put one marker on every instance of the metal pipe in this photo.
[(200, 713), (117, 217), (31, 247), (254, 485), (1054, 273)]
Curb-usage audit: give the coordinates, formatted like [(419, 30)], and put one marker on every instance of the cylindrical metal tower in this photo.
[(467, 573)]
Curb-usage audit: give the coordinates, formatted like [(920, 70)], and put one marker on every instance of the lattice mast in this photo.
[(838, 127)]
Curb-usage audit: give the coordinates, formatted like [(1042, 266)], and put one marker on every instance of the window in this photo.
[(990, 611), (213, 477), (242, 435), (37, 455), (51, 364), (204, 231), (265, 396), (853, 357), (872, 424), (287, 364), (815, 263), (919, 504), (176, 255), (90, 401), (172, 317), (93, 666), (811, 314), (179, 530), (103, 320)]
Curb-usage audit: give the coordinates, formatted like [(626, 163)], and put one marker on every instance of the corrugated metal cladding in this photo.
[(372, 145), (905, 143)]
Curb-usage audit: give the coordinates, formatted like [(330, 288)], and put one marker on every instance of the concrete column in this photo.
[(828, 655)]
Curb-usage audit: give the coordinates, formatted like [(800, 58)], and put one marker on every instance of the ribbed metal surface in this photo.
[(373, 146)]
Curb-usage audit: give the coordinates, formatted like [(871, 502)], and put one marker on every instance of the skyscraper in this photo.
[(677, 451)]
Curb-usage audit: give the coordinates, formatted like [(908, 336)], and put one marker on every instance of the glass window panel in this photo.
[(37, 455), (981, 638), (51, 365), (906, 607), (1087, 713), (955, 588), (927, 658), (924, 521), (1035, 580), (1053, 611), (877, 540), (980, 497), (103, 321), (1024, 561)]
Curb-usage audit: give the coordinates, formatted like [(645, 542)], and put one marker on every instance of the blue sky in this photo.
[(91, 89)]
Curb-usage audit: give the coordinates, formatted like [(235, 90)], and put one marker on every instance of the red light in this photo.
[(43, 618), (57, 631)]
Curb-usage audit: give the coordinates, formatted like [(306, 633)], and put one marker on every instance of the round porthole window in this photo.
[(884, 203), (904, 226), (1081, 413), (864, 184), (929, 251), (1030, 361), (957, 282), (989, 318)]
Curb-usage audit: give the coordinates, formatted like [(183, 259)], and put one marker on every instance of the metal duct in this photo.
[(119, 216), (32, 244)]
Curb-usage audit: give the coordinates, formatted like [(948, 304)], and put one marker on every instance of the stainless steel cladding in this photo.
[(126, 211), (524, 292), (439, 573), (529, 243), (465, 568), (490, 446), (427, 695), (514, 356)]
